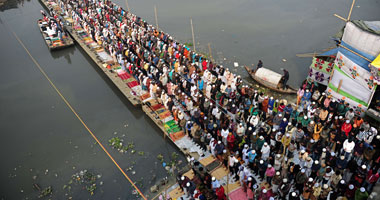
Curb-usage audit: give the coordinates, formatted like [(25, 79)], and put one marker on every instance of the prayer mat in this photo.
[(238, 194)]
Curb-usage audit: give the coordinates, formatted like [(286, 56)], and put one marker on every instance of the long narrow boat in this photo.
[(123, 81), (270, 79), (54, 43)]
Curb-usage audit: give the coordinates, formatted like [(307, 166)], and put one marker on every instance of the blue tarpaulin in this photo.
[(332, 52), (355, 58)]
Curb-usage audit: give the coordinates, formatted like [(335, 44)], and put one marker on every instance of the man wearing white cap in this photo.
[(285, 141), (278, 160), (277, 121), (361, 194), (269, 173), (251, 158), (308, 189), (265, 151), (276, 181), (348, 147), (245, 152), (214, 183), (325, 191), (284, 188), (300, 179)]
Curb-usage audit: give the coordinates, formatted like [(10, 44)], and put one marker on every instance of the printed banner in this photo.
[(355, 71), (321, 65), (318, 76), (350, 88)]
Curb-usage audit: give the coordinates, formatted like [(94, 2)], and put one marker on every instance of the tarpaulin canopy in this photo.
[(370, 26), (354, 71), (269, 76), (361, 38), (360, 58)]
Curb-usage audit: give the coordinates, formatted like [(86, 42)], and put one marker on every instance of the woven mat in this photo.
[(219, 173), (207, 161)]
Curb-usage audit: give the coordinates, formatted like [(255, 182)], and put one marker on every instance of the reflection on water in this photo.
[(66, 53), (10, 4)]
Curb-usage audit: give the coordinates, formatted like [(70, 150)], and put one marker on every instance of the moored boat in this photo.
[(270, 79), (52, 40)]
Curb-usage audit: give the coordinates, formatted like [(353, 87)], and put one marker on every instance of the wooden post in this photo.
[(155, 14), (209, 51), (349, 14), (192, 32), (126, 1), (339, 86), (340, 17)]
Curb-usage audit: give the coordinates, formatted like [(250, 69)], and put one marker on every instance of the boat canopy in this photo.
[(268, 76)]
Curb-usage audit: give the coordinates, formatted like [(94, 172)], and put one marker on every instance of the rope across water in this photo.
[(77, 116)]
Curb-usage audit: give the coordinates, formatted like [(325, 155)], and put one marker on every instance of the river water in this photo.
[(39, 133)]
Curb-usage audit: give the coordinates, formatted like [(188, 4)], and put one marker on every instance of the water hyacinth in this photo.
[(85, 178)]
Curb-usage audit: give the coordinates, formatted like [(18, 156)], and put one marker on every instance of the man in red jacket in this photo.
[(371, 179), (346, 127), (220, 193)]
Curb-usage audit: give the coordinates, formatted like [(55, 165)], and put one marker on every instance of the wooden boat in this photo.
[(54, 43), (270, 79)]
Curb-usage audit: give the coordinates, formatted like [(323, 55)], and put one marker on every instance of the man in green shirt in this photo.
[(361, 194)]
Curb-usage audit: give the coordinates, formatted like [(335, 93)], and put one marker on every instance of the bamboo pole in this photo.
[(209, 51), (340, 17), (192, 32), (339, 86), (126, 2), (365, 58), (349, 14), (155, 14)]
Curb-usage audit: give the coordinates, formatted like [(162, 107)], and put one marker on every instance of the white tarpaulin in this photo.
[(268, 75), (361, 40), (354, 70), (350, 87)]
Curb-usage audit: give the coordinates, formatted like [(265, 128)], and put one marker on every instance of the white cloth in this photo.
[(348, 146), (361, 40)]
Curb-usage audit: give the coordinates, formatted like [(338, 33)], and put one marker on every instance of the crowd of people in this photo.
[(53, 26), (316, 148)]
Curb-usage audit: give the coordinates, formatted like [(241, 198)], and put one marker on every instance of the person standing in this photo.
[(285, 78), (259, 65)]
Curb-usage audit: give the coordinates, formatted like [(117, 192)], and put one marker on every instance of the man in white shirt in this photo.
[(348, 146), (224, 135)]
